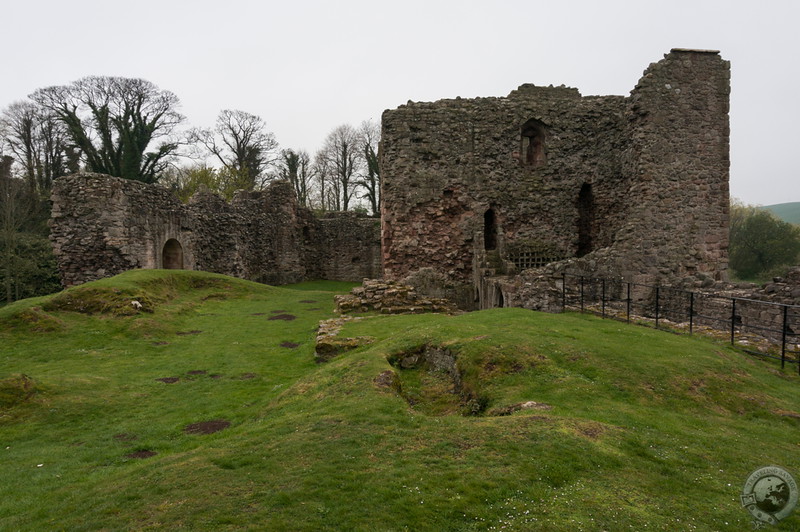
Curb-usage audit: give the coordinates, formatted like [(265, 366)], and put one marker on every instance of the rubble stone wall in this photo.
[(632, 186), (102, 225)]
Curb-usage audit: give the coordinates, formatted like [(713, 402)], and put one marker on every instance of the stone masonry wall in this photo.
[(103, 225), (637, 186)]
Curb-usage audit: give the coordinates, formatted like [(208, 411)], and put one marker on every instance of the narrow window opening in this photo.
[(172, 255), (489, 230), (533, 146), (585, 206)]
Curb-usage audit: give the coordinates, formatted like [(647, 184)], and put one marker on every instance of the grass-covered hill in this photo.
[(204, 410), (788, 212)]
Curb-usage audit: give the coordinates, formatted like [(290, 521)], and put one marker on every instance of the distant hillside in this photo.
[(788, 212)]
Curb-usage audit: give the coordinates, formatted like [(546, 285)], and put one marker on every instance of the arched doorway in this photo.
[(172, 255), (533, 149)]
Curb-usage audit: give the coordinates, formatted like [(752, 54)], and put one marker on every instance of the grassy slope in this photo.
[(788, 212), (647, 430)]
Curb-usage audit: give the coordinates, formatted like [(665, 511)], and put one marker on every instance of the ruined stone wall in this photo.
[(633, 186), (103, 225), (350, 245)]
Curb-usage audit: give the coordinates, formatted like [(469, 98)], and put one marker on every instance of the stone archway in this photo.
[(172, 255)]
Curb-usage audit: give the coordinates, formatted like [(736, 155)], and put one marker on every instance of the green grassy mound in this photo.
[(204, 410)]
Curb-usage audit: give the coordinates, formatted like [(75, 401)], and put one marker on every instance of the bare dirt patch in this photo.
[(290, 345), (247, 376), (258, 314), (141, 454), (308, 301), (197, 372), (186, 333), (124, 436), (284, 317), (169, 380), (386, 379), (215, 376), (160, 343), (207, 427)]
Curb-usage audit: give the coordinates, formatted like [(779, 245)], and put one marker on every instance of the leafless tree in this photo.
[(113, 121), (38, 141), (241, 143), (369, 177), (341, 153)]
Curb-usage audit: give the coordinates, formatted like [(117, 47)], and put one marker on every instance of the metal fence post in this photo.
[(691, 312)]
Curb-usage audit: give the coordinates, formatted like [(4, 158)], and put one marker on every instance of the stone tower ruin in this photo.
[(478, 190)]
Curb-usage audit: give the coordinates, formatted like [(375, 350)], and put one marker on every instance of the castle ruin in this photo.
[(479, 196), (102, 226), (476, 191)]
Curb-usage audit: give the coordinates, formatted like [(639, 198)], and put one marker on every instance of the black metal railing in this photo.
[(761, 328)]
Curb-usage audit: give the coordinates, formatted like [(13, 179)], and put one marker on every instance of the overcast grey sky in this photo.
[(306, 66)]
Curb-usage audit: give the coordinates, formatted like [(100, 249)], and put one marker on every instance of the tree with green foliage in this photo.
[(296, 167), (27, 263), (114, 121), (760, 244)]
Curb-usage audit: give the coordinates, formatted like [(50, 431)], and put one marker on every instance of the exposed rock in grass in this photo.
[(441, 388), (207, 427), (527, 405), (387, 379), (328, 344), (388, 297)]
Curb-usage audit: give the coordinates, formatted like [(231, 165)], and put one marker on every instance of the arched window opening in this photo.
[(489, 230), (585, 206), (533, 148), (172, 256)]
